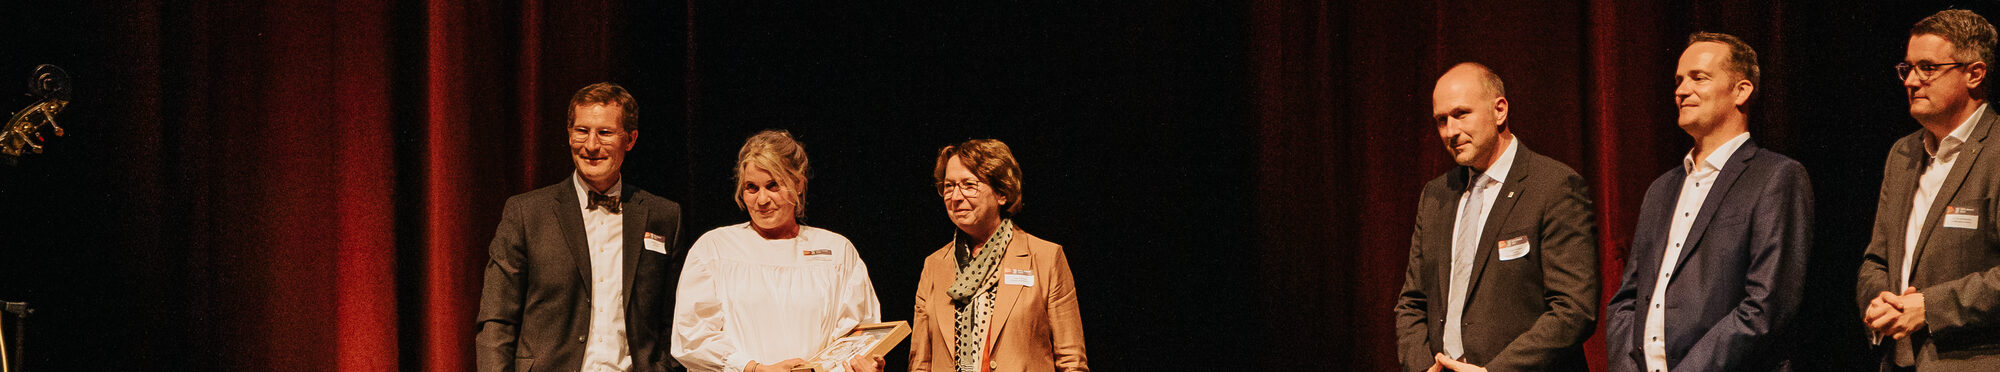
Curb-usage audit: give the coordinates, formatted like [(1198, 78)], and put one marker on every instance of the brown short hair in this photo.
[(606, 93), (993, 163), (1742, 59), (784, 158), (1967, 31)]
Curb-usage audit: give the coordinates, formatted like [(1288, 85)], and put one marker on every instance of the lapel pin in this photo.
[(1510, 194)]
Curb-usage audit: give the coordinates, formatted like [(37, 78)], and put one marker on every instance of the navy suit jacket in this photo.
[(1737, 282)]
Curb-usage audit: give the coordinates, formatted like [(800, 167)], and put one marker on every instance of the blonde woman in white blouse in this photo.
[(763, 295)]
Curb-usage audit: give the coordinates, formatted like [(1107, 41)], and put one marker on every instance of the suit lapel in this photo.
[(1900, 189), (941, 303), (635, 233), (1968, 157), (1497, 219), (1660, 222), (1718, 194), (1439, 245), (1003, 303), (569, 214)]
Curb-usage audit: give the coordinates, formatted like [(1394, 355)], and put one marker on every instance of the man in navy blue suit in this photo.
[(1718, 258)]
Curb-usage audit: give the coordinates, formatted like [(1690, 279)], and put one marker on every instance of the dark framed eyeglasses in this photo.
[(1925, 71)]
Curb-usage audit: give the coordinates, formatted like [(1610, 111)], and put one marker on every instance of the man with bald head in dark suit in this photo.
[(1503, 262)]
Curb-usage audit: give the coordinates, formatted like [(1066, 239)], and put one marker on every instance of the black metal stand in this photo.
[(20, 311)]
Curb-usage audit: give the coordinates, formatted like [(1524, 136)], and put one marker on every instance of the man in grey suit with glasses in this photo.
[(1929, 285)]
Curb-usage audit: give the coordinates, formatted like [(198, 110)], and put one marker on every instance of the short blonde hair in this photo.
[(993, 163), (784, 158)]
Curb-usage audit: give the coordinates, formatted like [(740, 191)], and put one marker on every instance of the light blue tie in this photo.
[(1462, 252)]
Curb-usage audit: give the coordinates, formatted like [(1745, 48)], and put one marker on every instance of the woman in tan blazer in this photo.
[(981, 309)]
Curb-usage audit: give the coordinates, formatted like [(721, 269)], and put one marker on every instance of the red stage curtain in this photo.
[(337, 162)]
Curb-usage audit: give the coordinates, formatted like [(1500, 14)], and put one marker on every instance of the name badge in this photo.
[(1515, 248), (656, 243), (1020, 277), (817, 255), (1961, 217)]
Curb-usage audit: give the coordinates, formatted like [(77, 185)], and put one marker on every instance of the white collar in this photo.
[(1938, 146), (1501, 165), (1717, 159)]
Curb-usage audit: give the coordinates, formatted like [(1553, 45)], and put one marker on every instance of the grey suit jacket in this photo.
[(1957, 269), (1739, 276), (534, 311), (1529, 313)]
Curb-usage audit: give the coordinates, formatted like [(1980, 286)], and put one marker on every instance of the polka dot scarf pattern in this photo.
[(974, 290)]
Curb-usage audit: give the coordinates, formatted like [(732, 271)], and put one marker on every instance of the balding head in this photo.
[(1475, 72), (1469, 108)]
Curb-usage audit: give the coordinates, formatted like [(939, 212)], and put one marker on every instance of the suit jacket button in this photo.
[(579, 339)]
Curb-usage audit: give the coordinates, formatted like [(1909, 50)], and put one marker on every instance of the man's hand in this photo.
[(1454, 365), (1879, 308), (1882, 313), (864, 363), (785, 366), (1911, 306)]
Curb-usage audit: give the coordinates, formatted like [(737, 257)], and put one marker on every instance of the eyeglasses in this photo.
[(967, 188), (1925, 71), (604, 137)]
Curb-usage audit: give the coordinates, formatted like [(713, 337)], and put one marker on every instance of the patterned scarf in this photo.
[(974, 290), (973, 271)]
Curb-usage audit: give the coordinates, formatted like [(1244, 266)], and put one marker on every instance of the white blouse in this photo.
[(742, 297)]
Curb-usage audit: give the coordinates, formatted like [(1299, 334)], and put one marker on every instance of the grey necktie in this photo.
[(1462, 253)]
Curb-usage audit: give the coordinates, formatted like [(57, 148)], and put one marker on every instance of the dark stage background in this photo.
[(311, 184)]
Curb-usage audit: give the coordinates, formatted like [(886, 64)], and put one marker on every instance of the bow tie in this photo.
[(610, 203)]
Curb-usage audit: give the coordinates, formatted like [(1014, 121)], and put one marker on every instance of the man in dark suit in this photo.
[(1503, 262), (1718, 258), (1929, 285), (582, 272)]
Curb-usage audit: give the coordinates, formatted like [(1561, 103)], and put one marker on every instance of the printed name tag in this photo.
[(1020, 277), (817, 255), (1513, 248), (656, 243), (1961, 217)]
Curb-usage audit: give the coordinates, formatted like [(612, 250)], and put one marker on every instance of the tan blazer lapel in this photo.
[(940, 304), (1003, 303)]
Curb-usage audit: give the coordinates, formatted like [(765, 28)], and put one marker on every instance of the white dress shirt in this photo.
[(605, 231), (1462, 256), (1694, 190), (744, 298), (1943, 154)]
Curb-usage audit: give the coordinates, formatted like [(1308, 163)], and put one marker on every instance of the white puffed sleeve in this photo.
[(698, 338), (858, 304)]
